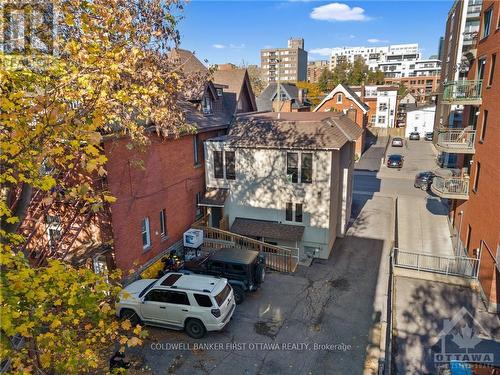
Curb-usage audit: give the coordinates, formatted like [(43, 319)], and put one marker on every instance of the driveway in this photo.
[(316, 321), (370, 160)]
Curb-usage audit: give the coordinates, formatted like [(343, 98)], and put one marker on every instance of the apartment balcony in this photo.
[(463, 92), (446, 185), (456, 140)]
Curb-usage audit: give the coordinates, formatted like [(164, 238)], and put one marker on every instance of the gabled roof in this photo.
[(186, 61), (265, 100), (202, 122), (348, 93), (301, 130), (237, 83)]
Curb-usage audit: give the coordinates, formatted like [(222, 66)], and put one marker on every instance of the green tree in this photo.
[(375, 77), (325, 80), (357, 72), (340, 73)]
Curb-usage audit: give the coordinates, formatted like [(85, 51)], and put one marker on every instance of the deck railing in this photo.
[(451, 187), (463, 92), (455, 140), (446, 265), (277, 258)]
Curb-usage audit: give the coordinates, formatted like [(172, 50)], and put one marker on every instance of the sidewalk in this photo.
[(423, 226), (370, 160)]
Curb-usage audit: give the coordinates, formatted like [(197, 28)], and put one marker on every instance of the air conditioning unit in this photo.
[(193, 238)]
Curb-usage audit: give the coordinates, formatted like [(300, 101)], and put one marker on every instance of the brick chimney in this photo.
[(302, 95), (351, 114)]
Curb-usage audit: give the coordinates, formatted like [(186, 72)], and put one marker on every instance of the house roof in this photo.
[(214, 198), (349, 93), (202, 122), (187, 61), (268, 229), (302, 130), (387, 88), (265, 99), (422, 107), (234, 82)]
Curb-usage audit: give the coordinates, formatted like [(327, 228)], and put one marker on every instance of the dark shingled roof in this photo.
[(233, 81), (265, 99), (268, 229), (306, 130), (203, 122)]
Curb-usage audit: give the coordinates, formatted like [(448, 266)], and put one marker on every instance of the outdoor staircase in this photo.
[(277, 258)]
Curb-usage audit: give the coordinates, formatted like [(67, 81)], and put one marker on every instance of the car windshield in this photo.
[(395, 157), (221, 297)]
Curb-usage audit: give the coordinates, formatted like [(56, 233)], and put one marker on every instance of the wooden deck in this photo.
[(277, 258)]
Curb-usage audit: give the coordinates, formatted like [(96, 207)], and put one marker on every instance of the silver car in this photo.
[(195, 303)]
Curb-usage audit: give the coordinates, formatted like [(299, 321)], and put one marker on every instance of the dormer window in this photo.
[(219, 92), (206, 105)]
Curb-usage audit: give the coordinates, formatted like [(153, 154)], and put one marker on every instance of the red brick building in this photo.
[(475, 193), (158, 188), (343, 99)]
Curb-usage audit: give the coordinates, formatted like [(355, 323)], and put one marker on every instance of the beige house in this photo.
[(284, 178)]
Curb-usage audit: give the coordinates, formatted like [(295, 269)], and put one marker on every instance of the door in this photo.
[(216, 216), (154, 308), (178, 307)]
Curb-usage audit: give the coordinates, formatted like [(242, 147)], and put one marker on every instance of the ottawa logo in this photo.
[(460, 341)]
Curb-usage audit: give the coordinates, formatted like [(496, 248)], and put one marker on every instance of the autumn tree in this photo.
[(109, 75), (256, 79), (313, 91)]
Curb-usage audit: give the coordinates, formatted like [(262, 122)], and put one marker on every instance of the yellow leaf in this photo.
[(126, 325)]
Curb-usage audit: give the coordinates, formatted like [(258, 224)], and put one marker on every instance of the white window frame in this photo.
[(294, 212), (146, 229), (163, 223), (339, 98)]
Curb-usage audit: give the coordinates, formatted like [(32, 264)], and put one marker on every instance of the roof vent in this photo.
[(279, 115)]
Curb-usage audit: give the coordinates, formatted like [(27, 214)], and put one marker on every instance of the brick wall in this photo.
[(162, 176)]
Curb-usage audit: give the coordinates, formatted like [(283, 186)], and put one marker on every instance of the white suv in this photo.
[(196, 303)]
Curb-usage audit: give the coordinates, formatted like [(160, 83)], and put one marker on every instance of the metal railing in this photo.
[(455, 140), (451, 187), (445, 265), (463, 92)]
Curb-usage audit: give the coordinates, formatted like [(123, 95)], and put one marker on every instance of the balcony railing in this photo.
[(451, 187), (458, 141), (463, 92)]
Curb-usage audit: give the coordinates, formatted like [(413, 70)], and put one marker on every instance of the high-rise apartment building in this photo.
[(285, 64), (315, 68), (469, 130)]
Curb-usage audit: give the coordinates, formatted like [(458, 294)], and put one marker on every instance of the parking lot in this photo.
[(315, 321)]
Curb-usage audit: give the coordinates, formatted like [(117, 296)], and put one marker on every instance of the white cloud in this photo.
[(375, 40), (338, 12), (232, 46), (321, 51)]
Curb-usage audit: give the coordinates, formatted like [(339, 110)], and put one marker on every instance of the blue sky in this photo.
[(235, 31)]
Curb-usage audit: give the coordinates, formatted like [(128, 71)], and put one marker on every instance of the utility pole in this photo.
[(278, 86)]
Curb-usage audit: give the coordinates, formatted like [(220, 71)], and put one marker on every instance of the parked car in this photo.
[(397, 142), (414, 136), (195, 303), (429, 136), (395, 161), (244, 269), (423, 180)]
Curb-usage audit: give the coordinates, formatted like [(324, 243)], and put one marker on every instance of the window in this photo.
[(492, 69), (196, 150), (469, 235), (291, 215), (177, 298), (230, 165), (203, 300), (146, 236), (218, 164), (382, 107), (292, 166), (476, 178), (156, 295), (487, 22), (306, 168), (199, 210), (381, 119), (289, 212), (298, 212), (480, 68), (206, 105), (485, 124), (219, 92), (339, 98), (163, 223)]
